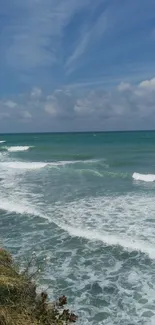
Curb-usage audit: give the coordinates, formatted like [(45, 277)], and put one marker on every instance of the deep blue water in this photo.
[(75, 201)]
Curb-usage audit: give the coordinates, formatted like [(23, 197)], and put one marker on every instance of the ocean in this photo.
[(84, 206)]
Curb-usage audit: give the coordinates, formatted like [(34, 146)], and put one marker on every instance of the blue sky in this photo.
[(70, 65)]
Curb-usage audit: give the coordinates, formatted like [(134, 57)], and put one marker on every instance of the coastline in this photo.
[(19, 302)]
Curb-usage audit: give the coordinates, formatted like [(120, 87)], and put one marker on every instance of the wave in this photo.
[(27, 165), (72, 162), (20, 208), (89, 172), (38, 165), (23, 165), (123, 220), (116, 175), (91, 235), (114, 221), (18, 148), (103, 174), (111, 240), (143, 177), (2, 141)]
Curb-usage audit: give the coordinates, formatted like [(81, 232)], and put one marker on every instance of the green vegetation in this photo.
[(19, 303)]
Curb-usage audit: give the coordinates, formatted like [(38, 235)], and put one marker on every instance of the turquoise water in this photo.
[(75, 201)]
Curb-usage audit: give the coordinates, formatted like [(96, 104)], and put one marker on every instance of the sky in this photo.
[(68, 65)]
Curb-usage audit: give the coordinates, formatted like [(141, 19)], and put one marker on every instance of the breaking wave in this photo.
[(112, 240), (86, 219), (23, 165), (18, 148), (144, 177), (17, 207), (37, 165)]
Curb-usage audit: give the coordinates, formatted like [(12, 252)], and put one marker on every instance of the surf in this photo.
[(144, 177), (18, 148), (18, 165), (111, 240), (22, 208), (72, 162), (85, 232)]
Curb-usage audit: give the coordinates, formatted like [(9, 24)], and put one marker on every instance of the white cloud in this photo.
[(148, 84), (124, 86), (36, 92), (51, 109), (126, 106), (84, 107), (60, 103), (27, 114), (10, 104)]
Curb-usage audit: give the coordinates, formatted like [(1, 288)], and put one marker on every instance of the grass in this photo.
[(19, 302)]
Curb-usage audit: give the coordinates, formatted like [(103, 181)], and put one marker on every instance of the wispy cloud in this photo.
[(69, 43), (116, 37), (89, 35), (35, 31), (79, 50)]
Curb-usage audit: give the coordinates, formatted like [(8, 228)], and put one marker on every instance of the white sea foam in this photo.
[(125, 220), (112, 240), (144, 177), (14, 206), (37, 165), (18, 148), (2, 141), (33, 165), (23, 165), (63, 163), (71, 162)]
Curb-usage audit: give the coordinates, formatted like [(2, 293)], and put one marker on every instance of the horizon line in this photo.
[(76, 132)]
